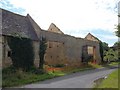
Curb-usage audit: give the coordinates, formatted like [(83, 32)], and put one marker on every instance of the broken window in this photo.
[(50, 45), (9, 54), (90, 50)]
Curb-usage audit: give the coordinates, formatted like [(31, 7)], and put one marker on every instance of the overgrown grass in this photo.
[(74, 70), (111, 81), (17, 79), (114, 63), (11, 77), (95, 65)]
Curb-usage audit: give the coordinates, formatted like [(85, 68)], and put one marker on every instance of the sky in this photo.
[(73, 17)]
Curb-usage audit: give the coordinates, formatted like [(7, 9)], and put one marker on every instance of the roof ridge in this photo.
[(15, 13)]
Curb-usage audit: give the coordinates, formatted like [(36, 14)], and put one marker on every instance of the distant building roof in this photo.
[(89, 36), (16, 24), (54, 28)]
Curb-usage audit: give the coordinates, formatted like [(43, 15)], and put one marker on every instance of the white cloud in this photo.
[(110, 39), (72, 16)]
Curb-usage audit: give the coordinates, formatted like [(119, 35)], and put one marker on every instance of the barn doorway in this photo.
[(89, 54)]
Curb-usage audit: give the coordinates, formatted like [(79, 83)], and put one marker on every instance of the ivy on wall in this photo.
[(42, 51), (101, 50), (22, 53)]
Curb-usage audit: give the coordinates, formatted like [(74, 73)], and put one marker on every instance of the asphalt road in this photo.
[(83, 79)]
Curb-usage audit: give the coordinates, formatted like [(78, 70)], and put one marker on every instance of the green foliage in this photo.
[(101, 50), (105, 46), (116, 47), (12, 77), (59, 65), (42, 51), (111, 81), (110, 55), (87, 58), (118, 31), (116, 44), (22, 52), (20, 78)]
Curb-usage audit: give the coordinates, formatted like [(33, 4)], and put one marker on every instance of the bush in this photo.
[(110, 55), (87, 58), (8, 70), (22, 52)]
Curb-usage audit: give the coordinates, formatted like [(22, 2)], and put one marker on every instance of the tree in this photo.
[(118, 31), (117, 43), (105, 46), (110, 55), (116, 47), (42, 51)]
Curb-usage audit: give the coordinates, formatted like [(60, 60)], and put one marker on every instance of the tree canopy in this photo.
[(105, 46), (110, 55), (118, 31)]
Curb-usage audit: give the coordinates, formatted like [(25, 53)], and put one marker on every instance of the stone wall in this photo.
[(1, 53), (55, 53), (6, 60), (72, 47), (62, 49), (36, 53)]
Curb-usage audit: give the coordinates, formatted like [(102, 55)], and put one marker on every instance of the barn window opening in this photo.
[(50, 45), (9, 53), (51, 56)]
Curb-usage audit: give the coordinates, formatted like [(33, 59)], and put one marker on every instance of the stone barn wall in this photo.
[(36, 53), (64, 48), (61, 49), (1, 52), (6, 60), (55, 53), (71, 48)]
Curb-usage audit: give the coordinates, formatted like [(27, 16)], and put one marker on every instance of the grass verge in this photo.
[(114, 63), (12, 77), (111, 81)]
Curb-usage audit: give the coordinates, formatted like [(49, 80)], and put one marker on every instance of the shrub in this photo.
[(110, 55), (87, 58), (22, 52)]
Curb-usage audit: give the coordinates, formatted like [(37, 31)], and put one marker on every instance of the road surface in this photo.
[(83, 79)]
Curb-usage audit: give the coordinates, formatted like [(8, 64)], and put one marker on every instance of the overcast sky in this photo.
[(73, 17)]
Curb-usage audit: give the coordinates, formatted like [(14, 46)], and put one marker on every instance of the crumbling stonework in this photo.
[(61, 48)]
